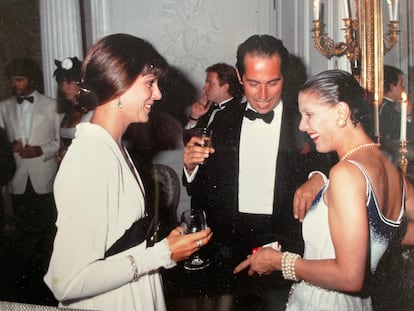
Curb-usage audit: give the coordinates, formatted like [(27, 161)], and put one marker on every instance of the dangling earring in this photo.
[(119, 103), (340, 122)]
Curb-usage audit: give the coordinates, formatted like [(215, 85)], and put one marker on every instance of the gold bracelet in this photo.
[(288, 265), (135, 275)]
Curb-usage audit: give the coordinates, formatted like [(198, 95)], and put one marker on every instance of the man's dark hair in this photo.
[(262, 45), (391, 75), (227, 74), (24, 67)]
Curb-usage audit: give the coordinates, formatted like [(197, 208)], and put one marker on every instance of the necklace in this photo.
[(358, 148)]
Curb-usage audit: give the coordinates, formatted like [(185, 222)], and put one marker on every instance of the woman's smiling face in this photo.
[(318, 121), (139, 98)]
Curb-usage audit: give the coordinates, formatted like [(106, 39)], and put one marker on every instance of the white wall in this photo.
[(193, 34)]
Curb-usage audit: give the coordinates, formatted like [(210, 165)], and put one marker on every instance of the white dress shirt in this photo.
[(25, 113), (259, 145)]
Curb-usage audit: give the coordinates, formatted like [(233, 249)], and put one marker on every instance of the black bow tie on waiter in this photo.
[(253, 115), (22, 99), (219, 107)]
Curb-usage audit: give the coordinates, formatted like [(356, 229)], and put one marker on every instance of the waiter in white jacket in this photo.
[(32, 124)]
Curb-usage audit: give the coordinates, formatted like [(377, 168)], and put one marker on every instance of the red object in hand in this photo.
[(254, 250), (275, 245)]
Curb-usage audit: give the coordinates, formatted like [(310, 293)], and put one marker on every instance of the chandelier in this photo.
[(352, 31)]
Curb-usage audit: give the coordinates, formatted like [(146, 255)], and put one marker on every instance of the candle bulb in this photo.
[(316, 9), (390, 9), (346, 7), (376, 116), (403, 128), (396, 10)]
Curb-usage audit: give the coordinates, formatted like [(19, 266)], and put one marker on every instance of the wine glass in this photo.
[(207, 135), (194, 220)]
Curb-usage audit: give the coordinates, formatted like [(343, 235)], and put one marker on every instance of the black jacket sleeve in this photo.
[(7, 164)]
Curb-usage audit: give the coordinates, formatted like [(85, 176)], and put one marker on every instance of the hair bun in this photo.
[(87, 98)]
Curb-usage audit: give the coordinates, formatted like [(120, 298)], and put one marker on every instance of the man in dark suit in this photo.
[(221, 89), (390, 114), (247, 183)]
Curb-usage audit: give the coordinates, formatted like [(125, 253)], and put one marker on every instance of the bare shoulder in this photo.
[(346, 179), (344, 171)]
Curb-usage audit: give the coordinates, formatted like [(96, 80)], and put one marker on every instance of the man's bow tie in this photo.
[(253, 115), (217, 106), (22, 99)]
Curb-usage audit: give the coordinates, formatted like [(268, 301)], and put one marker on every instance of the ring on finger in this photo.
[(199, 243)]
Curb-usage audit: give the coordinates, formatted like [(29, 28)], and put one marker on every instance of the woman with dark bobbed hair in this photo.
[(358, 212), (96, 262)]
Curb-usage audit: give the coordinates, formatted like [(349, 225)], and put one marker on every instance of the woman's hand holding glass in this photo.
[(183, 245), (194, 220)]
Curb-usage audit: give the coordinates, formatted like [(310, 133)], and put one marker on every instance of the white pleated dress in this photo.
[(318, 245)]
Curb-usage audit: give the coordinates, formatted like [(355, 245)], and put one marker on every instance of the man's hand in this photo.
[(200, 108), (305, 195), (194, 153), (27, 151), (17, 146), (60, 154)]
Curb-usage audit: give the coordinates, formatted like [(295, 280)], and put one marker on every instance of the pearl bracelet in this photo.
[(135, 275), (288, 265)]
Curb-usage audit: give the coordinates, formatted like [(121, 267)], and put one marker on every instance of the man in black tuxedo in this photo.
[(221, 89), (390, 114), (248, 181)]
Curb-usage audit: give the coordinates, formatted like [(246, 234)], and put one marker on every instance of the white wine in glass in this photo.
[(206, 135), (194, 220)]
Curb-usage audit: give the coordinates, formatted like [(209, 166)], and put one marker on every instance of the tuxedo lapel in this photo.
[(38, 116), (288, 156)]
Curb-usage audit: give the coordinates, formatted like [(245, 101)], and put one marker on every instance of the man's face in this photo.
[(21, 85), (213, 90), (262, 81), (396, 90)]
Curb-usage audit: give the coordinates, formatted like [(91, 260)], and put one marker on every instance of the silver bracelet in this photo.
[(135, 275), (288, 265)]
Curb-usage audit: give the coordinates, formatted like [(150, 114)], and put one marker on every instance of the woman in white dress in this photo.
[(358, 211), (67, 75), (99, 193)]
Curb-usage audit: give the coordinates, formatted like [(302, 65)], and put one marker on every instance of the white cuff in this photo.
[(325, 179), (191, 177), (155, 257)]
